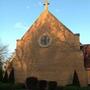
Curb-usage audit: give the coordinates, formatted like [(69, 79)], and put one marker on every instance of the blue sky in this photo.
[(16, 16)]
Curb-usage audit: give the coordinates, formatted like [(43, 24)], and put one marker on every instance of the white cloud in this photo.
[(20, 25)]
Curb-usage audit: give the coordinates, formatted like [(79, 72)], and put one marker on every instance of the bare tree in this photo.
[(3, 52)]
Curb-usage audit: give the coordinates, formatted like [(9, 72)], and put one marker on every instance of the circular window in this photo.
[(44, 40)]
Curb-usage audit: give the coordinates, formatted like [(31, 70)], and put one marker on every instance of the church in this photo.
[(49, 51)]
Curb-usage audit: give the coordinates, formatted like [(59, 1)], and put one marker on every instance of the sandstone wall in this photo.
[(57, 61)]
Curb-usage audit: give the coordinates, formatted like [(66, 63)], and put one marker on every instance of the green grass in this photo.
[(8, 86), (76, 88)]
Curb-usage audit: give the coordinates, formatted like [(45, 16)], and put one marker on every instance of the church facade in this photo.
[(49, 51)]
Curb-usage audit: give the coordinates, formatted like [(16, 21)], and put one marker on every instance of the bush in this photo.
[(1, 74), (31, 83), (42, 85), (11, 78), (5, 78), (52, 85), (76, 80)]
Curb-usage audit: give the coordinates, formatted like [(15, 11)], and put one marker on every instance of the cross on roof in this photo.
[(46, 3)]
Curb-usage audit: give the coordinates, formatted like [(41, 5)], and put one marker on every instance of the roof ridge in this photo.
[(61, 23)]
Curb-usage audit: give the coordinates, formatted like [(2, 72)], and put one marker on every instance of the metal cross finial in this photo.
[(46, 3)]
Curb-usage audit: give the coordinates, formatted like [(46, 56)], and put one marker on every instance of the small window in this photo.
[(44, 40)]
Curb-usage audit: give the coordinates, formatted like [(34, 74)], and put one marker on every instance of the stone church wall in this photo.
[(49, 52)]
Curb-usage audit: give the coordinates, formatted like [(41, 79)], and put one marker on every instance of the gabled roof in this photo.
[(47, 18)]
